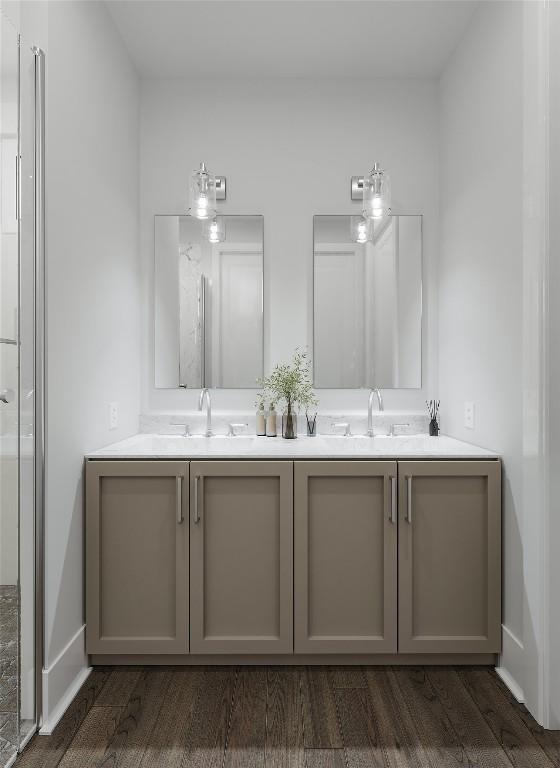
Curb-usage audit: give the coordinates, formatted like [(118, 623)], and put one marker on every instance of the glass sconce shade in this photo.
[(216, 230), (377, 194), (361, 229), (202, 194)]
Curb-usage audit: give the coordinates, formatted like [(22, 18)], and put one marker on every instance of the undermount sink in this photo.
[(345, 437), (351, 442), (188, 443), (402, 437), (367, 439)]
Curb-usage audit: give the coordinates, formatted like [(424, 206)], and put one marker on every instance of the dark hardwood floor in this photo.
[(294, 717)]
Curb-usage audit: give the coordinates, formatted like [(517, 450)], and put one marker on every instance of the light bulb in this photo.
[(376, 207), (213, 238), (362, 233), (215, 230), (359, 229), (202, 207)]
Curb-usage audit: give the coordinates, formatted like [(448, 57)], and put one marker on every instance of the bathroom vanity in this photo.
[(239, 549), (258, 550)]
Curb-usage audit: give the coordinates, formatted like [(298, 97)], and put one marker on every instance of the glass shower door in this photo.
[(29, 373), (9, 393), (21, 307)]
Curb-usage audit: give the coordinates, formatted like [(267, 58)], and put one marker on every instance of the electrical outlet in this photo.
[(469, 415), (113, 415)]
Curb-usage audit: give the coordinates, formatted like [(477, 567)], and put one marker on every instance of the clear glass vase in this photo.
[(289, 424)]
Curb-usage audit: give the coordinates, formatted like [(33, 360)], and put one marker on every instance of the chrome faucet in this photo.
[(377, 393), (205, 394)]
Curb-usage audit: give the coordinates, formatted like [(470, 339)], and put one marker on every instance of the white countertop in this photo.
[(146, 446)]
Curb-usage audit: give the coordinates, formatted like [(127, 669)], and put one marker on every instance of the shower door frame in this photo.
[(39, 305)]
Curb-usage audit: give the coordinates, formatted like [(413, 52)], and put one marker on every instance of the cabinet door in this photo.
[(449, 557), (241, 557), (137, 557), (345, 557)]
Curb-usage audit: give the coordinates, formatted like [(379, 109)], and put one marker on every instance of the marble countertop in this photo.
[(148, 446)]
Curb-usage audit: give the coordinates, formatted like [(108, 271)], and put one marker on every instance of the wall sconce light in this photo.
[(361, 229), (375, 192), (204, 190), (216, 230)]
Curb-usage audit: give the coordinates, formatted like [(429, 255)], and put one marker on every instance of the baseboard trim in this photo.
[(509, 682), (395, 659), (62, 680), (512, 647)]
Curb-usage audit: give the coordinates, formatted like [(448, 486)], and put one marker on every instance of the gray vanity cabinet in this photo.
[(241, 557), (137, 557), (449, 557), (345, 565)]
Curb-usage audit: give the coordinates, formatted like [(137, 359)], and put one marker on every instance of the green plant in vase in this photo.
[(291, 384)]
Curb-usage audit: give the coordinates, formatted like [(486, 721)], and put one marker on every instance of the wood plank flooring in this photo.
[(294, 717)]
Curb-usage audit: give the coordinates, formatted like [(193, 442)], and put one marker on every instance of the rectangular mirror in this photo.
[(367, 304), (208, 302)]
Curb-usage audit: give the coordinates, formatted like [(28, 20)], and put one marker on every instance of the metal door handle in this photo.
[(409, 500), (179, 499), (196, 517), (393, 515), (17, 186)]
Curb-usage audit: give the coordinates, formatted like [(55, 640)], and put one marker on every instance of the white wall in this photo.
[(288, 149), (489, 302), (553, 574), (93, 297)]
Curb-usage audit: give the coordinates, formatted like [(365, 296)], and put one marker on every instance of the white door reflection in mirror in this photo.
[(367, 305)]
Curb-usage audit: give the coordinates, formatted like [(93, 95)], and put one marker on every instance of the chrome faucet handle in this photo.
[(397, 425), (186, 428), (232, 426), (342, 425)]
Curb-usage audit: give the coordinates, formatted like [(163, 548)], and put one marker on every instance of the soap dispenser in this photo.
[(271, 421)]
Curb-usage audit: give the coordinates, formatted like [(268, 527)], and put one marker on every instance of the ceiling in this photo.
[(291, 38)]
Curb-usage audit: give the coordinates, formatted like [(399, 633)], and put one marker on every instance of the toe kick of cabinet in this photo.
[(293, 559)]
